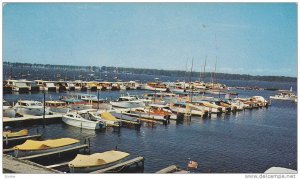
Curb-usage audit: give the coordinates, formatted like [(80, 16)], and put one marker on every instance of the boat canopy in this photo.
[(47, 144), (97, 159), (20, 133), (108, 116)]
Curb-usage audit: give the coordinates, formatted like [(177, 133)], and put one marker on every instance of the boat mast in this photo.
[(204, 68), (191, 96), (185, 75)]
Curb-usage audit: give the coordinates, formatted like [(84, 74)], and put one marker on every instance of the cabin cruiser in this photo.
[(27, 107), (57, 106), (76, 104), (129, 101), (107, 117), (18, 86), (8, 110), (46, 85), (285, 95)]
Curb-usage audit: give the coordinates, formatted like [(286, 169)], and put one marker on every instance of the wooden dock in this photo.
[(15, 165), (30, 118), (84, 146), (120, 166), (169, 169)]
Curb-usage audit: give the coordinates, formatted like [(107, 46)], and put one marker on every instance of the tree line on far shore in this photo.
[(156, 72)]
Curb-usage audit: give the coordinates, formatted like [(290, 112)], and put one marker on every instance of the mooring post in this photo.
[(37, 131), (44, 110), (116, 147), (6, 139), (89, 145), (98, 98)]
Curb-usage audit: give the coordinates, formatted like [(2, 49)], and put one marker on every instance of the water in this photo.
[(246, 142)]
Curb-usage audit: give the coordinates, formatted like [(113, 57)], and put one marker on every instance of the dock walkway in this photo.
[(14, 165)]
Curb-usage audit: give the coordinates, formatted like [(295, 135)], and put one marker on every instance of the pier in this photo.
[(7, 141), (15, 165), (169, 169), (31, 119), (138, 162)]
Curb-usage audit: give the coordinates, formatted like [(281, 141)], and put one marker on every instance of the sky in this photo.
[(239, 38)]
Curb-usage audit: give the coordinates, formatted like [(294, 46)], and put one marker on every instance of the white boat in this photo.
[(27, 107), (8, 110), (89, 98), (96, 161), (285, 95), (128, 102), (18, 86), (211, 108), (82, 121), (33, 147), (187, 109)]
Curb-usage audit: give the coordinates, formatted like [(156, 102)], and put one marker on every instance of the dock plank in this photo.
[(22, 138), (126, 163), (54, 152), (168, 169), (28, 117)]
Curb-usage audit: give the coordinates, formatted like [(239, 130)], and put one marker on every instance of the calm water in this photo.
[(247, 142)]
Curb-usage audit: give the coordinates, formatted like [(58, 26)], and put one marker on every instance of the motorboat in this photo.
[(211, 108), (284, 95), (76, 104), (18, 86), (34, 147), (27, 107), (129, 101), (188, 109), (57, 106), (88, 163), (8, 110), (154, 86), (82, 120), (107, 117)]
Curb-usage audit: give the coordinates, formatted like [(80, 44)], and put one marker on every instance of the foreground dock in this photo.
[(14, 165)]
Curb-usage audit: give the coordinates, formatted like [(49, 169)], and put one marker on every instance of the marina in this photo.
[(160, 88), (143, 123)]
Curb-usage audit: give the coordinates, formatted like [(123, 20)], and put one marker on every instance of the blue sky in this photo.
[(255, 39)]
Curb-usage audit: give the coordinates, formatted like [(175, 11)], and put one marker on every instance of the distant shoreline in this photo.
[(156, 72)]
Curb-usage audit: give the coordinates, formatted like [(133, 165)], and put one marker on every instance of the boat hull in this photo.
[(83, 123)]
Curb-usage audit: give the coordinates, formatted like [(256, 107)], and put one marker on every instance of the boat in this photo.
[(80, 85), (284, 95), (82, 120), (125, 117), (187, 109), (10, 134), (8, 110), (76, 104), (27, 107), (18, 86), (34, 147), (57, 106), (211, 108), (96, 161), (154, 86), (129, 101), (107, 117), (89, 98)]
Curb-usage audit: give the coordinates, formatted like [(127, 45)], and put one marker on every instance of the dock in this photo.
[(29, 120), (15, 165), (84, 146), (169, 169), (118, 167)]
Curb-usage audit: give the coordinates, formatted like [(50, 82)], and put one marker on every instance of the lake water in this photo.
[(246, 142)]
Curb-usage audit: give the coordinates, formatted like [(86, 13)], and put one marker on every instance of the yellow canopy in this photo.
[(20, 133), (97, 159), (47, 144), (108, 116)]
